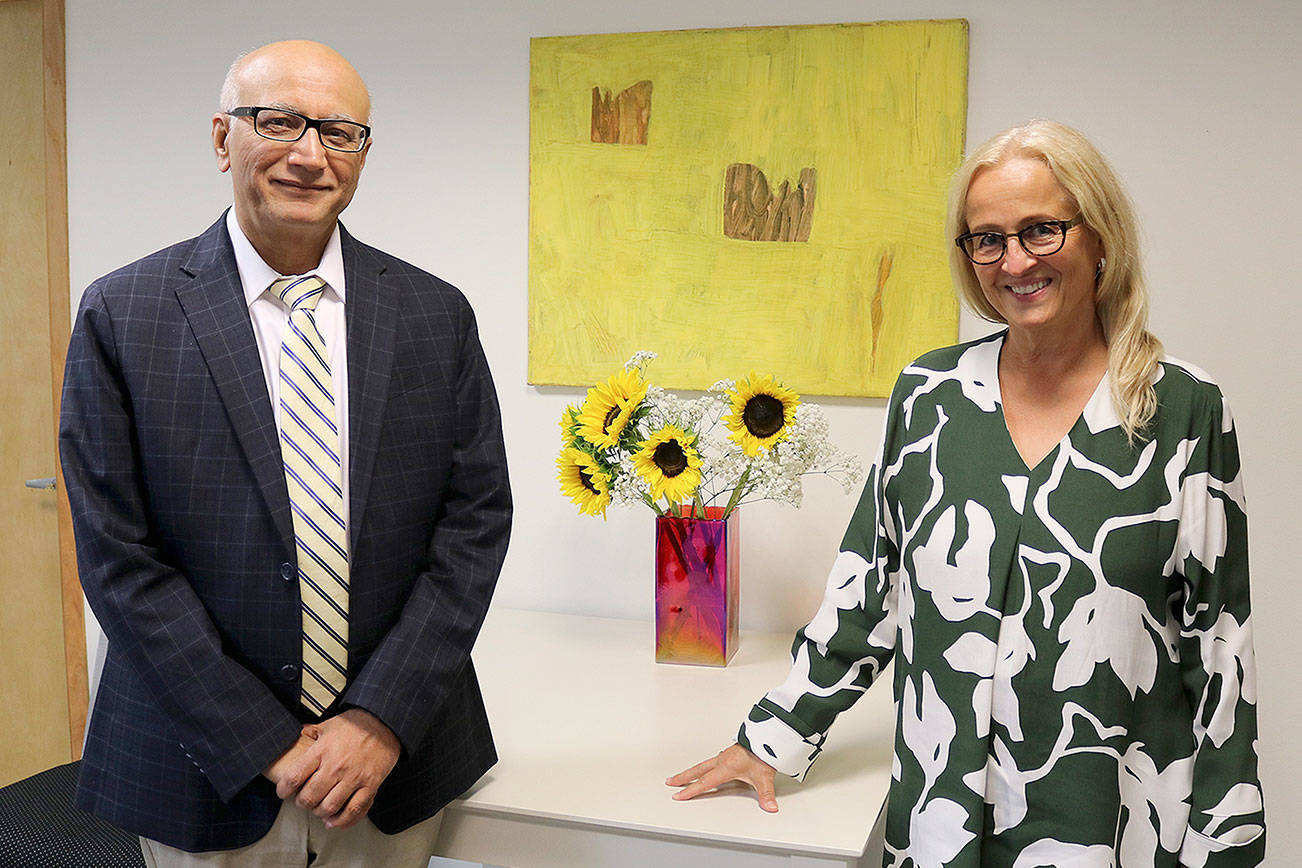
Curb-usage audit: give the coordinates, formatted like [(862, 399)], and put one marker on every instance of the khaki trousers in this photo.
[(299, 838)]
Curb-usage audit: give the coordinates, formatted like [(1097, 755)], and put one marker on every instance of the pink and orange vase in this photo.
[(697, 588)]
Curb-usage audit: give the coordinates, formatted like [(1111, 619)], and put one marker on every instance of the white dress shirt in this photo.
[(270, 317)]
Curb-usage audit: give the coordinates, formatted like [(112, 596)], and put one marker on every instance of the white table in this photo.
[(588, 727)]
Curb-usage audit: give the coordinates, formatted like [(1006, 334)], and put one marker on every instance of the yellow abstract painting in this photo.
[(767, 199)]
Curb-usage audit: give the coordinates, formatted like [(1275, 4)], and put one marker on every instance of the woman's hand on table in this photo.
[(734, 764)]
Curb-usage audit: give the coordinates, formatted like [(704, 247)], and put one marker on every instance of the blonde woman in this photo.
[(1052, 548)]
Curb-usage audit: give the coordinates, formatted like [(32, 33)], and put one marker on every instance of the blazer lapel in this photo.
[(372, 317), (214, 305)]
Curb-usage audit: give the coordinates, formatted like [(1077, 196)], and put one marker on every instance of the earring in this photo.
[(1098, 269)]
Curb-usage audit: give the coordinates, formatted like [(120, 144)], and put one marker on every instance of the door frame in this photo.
[(60, 305)]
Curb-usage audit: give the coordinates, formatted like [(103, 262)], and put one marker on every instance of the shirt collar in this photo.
[(256, 275)]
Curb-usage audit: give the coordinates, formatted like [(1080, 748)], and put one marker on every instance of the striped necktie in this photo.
[(309, 442)]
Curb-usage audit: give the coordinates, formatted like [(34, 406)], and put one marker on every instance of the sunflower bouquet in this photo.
[(631, 442)]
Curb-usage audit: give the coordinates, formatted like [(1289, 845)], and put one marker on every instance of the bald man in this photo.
[(290, 605)]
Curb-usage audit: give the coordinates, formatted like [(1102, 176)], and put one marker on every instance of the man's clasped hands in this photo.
[(336, 766)]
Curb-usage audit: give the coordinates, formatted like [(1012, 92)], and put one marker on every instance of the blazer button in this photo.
[(289, 671), (287, 571)]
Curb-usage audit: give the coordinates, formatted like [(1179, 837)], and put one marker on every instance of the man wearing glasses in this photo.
[(284, 457)]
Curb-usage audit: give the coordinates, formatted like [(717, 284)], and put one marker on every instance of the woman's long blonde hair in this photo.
[(1120, 297)]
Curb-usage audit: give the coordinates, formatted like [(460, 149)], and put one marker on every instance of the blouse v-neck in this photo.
[(1101, 392)]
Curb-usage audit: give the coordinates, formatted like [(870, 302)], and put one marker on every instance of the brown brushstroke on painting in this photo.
[(752, 212), (875, 310), (622, 119)]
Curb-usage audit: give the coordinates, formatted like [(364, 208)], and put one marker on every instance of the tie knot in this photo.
[(300, 293)]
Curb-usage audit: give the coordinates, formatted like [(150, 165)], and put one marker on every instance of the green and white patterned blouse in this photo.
[(1074, 675)]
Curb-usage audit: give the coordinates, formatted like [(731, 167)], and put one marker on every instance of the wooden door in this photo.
[(42, 634)]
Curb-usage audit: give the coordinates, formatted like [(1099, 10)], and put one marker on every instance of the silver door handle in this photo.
[(46, 484)]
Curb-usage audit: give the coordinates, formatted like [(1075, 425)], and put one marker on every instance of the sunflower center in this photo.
[(587, 481), (670, 458), (611, 415), (763, 416)]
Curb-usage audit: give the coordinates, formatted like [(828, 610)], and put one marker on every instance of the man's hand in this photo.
[(734, 764), (307, 736), (337, 776)]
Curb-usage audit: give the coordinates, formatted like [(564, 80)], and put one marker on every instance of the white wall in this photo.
[(1195, 102)]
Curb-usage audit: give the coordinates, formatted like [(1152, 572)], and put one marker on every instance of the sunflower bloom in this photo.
[(583, 481), (609, 407), (669, 461), (762, 413)]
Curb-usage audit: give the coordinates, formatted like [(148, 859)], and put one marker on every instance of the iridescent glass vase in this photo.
[(696, 588)]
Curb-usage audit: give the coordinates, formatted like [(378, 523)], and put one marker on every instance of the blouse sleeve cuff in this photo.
[(779, 745), (1243, 848)]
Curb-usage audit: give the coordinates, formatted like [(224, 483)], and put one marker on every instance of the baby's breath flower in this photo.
[(639, 360)]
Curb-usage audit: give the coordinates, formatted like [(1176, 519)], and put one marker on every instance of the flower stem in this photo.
[(737, 493)]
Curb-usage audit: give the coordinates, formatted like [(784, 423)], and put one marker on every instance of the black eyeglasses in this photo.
[(283, 125), (1038, 239)]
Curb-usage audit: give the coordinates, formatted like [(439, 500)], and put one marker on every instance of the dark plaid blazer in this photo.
[(186, 547)]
